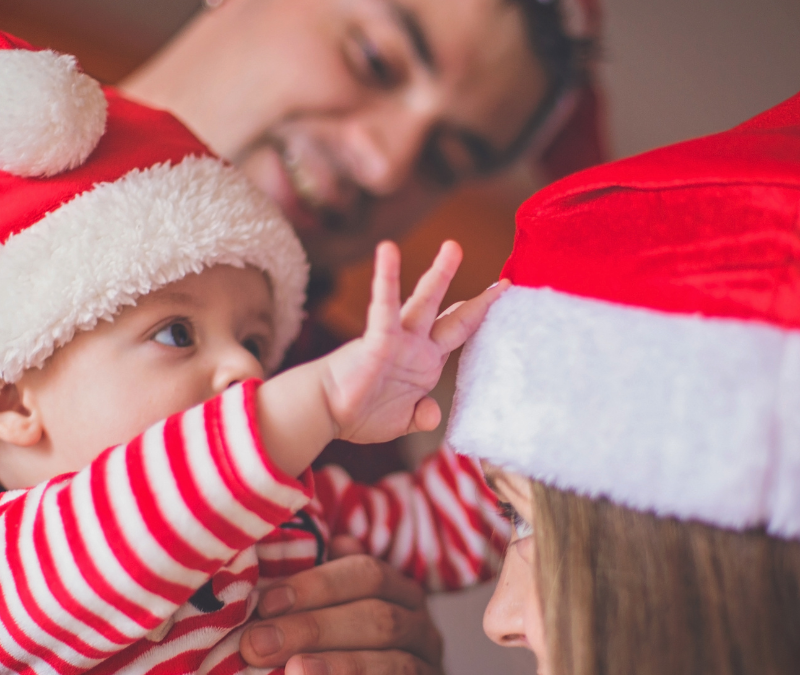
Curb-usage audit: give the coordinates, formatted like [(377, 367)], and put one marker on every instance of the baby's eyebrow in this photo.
[(177, 298)]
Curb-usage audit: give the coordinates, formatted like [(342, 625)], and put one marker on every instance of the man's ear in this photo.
[(19, 424)]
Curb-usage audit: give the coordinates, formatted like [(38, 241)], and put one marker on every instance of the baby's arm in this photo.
[(374, 388), (439, 525), (95, 560)]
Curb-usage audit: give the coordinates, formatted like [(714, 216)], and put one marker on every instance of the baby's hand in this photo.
[(377, 387)]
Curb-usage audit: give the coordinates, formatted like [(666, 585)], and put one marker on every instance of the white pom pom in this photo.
[(51, 114)]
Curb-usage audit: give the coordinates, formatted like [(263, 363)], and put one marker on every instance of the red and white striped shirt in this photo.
[(147, 561)]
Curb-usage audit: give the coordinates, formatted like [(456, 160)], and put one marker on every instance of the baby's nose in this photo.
[(237, 364)]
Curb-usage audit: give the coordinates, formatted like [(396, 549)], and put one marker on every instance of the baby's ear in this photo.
[(19, 424)]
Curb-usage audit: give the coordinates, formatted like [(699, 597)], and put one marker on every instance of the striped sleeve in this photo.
[(439, 525), (95, 560)]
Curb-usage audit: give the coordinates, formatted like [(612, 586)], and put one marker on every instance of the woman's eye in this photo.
[(176, 334), (522, 528)]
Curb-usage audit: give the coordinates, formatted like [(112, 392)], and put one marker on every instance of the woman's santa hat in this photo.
[(649, 349), (103, 200)]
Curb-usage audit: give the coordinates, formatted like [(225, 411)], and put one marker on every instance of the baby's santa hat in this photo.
[(649, 349), (103, 200)]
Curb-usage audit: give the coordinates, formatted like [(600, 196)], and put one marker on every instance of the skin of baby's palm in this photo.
[(377, 386)]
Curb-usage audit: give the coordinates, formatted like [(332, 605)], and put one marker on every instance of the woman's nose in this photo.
[(504, 618), (235, 364)]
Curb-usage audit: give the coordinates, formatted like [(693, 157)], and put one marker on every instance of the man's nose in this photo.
[(384, 144), (235, 364)]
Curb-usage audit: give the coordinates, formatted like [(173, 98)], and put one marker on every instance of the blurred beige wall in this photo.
[(676, 69)]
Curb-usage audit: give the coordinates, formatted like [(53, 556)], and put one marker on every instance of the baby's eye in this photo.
[(522, 528), (252, 345), (176, 334)]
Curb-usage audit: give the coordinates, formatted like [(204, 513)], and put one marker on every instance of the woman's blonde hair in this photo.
[(629, 593)]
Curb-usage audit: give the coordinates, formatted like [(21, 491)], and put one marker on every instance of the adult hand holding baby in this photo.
[(355, 614)]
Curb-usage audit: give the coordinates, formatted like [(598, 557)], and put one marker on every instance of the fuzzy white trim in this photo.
[(680, 415), (106, 247), (51, 114)]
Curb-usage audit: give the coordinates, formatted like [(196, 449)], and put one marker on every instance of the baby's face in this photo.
[(178, 347)]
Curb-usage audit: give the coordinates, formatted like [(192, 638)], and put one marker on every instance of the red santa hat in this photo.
[(103, 200), (649, 349)]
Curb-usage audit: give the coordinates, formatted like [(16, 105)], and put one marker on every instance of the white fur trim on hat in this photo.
[(679, 415), (51, 114), (106, 247)]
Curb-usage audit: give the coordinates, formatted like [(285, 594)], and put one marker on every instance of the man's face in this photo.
[(179, 346), (357, 115)]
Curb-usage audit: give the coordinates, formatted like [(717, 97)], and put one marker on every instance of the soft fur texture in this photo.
[(51, 114), (100, 251), (680, 415)]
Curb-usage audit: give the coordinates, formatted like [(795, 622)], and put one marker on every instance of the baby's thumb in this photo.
[(427, 415)]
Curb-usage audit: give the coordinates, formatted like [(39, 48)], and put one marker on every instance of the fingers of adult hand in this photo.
[(362, 625), (420, 310), (427, 415), (384, 306), (340, 581), (452, 329), (387, 662), (344, 544)]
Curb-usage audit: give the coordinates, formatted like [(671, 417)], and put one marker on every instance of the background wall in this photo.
[(673, 70)]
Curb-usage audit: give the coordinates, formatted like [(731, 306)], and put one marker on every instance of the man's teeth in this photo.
[(305, 183)]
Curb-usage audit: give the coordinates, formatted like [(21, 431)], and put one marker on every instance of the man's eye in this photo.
[(369, 62), (176, 334), (522, 527), (450, 156)]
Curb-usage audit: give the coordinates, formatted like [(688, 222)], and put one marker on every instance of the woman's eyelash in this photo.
[(521, 526), (506, 510)]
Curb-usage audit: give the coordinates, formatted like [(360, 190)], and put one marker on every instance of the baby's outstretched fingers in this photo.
[(458, 322), (385, 305), (421, 308)]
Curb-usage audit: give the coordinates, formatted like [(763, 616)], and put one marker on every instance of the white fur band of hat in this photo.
[(103, 200), (649, 350)]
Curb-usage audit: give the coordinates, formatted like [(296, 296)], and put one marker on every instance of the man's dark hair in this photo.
[(565, 60)]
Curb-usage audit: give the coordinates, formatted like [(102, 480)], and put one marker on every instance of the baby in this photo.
[(146, 289)]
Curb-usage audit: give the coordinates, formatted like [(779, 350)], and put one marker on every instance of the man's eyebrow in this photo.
[(410, 24)]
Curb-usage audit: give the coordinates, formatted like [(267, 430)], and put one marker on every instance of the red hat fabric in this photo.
[(148, 204), (649, 349)]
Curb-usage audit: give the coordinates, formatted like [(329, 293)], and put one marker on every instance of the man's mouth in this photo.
[(304, 182), (322, 195)]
